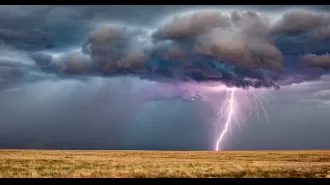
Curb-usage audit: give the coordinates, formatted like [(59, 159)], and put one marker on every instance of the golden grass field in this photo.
[(65, 163)]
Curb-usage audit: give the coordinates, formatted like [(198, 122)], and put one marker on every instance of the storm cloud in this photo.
[(201, 46), (312, 60)]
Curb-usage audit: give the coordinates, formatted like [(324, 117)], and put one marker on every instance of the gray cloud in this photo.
[(74, 62), (231, 49), (313, 60), (42, 59), (251, 24), (301, 92), (195, 23), (301, 21), (189, 25), (108, 44), (11, 55), (133, 59), (238, 38)]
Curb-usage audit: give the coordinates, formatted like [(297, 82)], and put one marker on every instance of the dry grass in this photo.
[(57, 163)]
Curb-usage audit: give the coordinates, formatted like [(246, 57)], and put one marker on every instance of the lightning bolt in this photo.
[(262, 106), (229, 106), (229, 118), (220, 114)]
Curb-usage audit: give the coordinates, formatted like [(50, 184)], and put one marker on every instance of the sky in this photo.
[(152, 77)]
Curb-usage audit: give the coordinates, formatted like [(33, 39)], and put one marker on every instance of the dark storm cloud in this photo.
[(314, 24), (313, 60), (74, 62), (250, 39), (235, 39), (42, 59), (208, 45), (182, 26), (301, 21)]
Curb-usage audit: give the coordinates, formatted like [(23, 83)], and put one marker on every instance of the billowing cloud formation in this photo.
[(300, 21), (255, 54), (242, 48), (191, 25), (74, 62), (313, 60)]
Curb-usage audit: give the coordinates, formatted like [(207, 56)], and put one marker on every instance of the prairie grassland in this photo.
[(143, 164)]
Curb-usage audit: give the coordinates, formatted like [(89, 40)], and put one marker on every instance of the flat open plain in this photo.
[(105, 163)]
